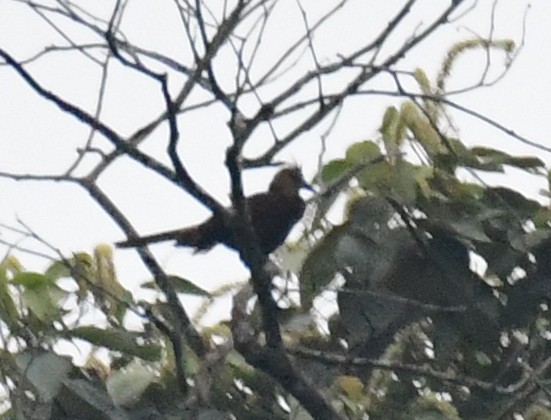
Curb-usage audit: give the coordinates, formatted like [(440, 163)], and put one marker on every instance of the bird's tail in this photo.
[(202, 237), (192, 236)]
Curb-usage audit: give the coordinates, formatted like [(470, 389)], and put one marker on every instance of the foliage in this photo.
[(434, 285), (403, 260), (406, 294)]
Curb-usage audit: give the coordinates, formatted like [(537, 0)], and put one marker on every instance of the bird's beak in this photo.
[(307, 186)]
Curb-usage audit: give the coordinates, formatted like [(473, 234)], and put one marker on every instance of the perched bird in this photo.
[(272, 216)]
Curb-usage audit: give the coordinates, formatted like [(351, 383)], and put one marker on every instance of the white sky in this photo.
[(35, 137)]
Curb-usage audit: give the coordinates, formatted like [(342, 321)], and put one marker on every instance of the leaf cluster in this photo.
[(424, 248)]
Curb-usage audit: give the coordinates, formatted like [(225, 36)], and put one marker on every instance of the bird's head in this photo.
[(289, 181)]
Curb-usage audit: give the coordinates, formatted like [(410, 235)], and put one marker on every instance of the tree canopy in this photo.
[(415, 288)]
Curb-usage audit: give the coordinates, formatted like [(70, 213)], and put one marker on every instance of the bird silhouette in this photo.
[(272, 215)]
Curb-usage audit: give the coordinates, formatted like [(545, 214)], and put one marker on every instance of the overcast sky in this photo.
[(37, 138)]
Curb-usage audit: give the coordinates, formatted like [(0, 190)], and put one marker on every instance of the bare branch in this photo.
[(405, 368)]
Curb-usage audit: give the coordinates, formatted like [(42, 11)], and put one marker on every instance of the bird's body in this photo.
[(272, 215)]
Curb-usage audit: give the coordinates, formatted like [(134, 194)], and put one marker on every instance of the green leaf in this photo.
[(250, 377), (126, 385), (46, 371), (362, 152), (375, 176), (429, 407), (12, 265), (469, 228), (487, 159), (457, 148), (367, 212), (454, 153), (181, 285), (352, 386), (40, 294), (489, 152), (389, 118), (30, 280), (364, 316), (404, 182), (423, 81), (334, 174), (320, 267), (8, 310), (391, 132), (82, 398), (422, 175), (498, 196), (118, 340), (492, 157), (334, 170), (537, 412), (422, 130), (485, 166), (542, 217), (187, 286), (58, 270), (526, 162), (43, 301), (469, 191)]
